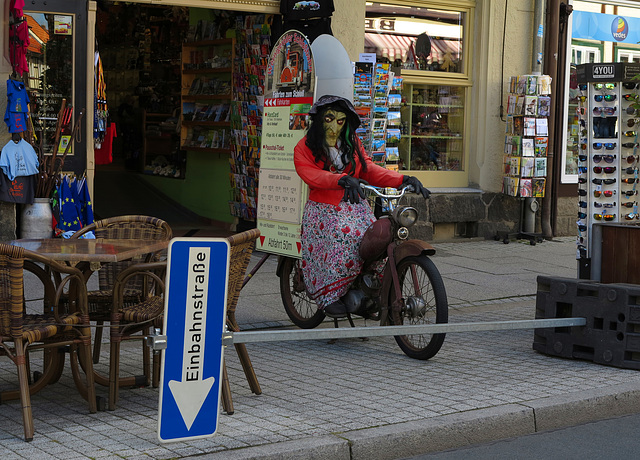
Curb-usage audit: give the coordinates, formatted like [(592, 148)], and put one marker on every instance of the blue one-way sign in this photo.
[(194, 319)]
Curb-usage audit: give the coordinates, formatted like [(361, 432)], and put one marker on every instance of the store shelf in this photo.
[(206, 123), (207, 70), (435, 129), (206, 97), (206, 149), (207, 106)]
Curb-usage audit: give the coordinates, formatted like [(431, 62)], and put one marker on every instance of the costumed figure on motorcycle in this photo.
[(331, 160)]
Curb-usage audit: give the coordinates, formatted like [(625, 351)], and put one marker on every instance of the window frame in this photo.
[(461, 79)]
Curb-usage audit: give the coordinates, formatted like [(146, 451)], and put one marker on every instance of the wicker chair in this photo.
[(127, 320), (242, 245), (21, 332), (120, 227)]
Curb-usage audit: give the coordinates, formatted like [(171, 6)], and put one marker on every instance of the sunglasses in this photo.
[(582, 215), (606, 158), (582, 204), (629, 193), (582, 169), (630, 170), (597, 216), (605, 110), (630, 159), (606, 193), (582, 98), (583, 157), (630, 216), (582, 192), (630, 110), (583, 86), (631, 122), (629, 204), (599, 86), (597, 204), (603, 181), (606, 145), (583, 146), (606, 169), (630, 133), (606, 97), (629, 180), (582, 228), (629, 85), (630, 145), (630, 97)]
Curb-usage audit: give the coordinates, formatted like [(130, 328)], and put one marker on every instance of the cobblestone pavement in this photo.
[(319, 400)]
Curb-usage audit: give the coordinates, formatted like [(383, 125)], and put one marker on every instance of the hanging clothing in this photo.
[(17, 111), (101, 112), (312, 18), (18, 44), (21, 190), (296, 10), (103, 154), (19, 159)]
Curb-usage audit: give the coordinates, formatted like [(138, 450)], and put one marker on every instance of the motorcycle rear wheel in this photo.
[(425, 302), (301, 309)]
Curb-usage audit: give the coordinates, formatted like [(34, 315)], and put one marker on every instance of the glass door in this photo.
[(56, 82)]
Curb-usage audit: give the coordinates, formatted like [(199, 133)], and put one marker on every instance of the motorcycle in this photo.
[(410, 289)]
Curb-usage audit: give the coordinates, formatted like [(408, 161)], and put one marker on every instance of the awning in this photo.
[(397, 46)]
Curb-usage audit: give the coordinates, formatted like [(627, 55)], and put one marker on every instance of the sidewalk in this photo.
[(359, 399)]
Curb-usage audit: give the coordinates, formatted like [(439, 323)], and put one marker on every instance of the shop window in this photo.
[(584, 54), (416, 38), (425, 45), (628, 56), (433, 127), (50, 79)]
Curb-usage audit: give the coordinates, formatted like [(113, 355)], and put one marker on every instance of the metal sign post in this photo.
[(194, 320)]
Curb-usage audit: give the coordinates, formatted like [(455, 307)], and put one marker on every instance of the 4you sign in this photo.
[(194, 319)]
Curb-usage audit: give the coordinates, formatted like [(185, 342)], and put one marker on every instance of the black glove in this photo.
[(416, 185), (352, 190)]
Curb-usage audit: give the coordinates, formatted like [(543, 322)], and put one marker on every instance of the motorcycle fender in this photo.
[(413, 248), (406, 249)]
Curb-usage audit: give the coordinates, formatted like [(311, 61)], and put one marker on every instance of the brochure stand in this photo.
[(526, 143)]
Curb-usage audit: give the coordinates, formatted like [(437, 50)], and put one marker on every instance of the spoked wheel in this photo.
[(302, 310), (425, 302)]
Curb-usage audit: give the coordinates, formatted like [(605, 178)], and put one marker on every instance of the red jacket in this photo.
[(323, 184)]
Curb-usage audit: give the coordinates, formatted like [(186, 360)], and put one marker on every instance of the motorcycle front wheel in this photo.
[(425, 302), (301, 309)]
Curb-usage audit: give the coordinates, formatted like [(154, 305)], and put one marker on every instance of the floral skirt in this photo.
[(331, 237)]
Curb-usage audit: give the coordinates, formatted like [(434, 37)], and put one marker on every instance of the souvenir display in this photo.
[(252, 48), (526, 140), (608, 117)]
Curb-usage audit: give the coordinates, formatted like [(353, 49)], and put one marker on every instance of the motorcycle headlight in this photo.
[(406, 216)]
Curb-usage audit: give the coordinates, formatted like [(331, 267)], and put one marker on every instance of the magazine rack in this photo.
[(526, 144)]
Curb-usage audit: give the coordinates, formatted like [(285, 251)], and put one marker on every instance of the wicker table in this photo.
[(89, 254)]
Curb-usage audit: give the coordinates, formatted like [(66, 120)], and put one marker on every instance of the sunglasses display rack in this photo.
[(608, 155), (526, 140)]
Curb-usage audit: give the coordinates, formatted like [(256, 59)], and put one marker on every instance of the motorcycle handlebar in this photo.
[(376, 190)]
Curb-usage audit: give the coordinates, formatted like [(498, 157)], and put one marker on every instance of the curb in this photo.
[(453, 431)]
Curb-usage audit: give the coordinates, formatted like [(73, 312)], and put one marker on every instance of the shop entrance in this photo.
[(184, 91), (139, 47)]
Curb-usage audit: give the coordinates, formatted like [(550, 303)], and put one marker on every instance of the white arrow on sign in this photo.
[(191, 392)]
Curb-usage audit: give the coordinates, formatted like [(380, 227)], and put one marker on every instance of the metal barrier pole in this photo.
[(231, 338)]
